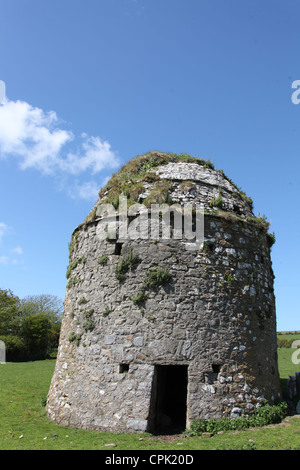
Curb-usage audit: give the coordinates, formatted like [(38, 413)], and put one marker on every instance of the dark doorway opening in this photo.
[(168, 399)]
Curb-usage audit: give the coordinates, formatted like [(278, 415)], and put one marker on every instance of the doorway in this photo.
[(168, 399)]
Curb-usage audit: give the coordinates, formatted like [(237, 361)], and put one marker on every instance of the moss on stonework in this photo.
[(130, 180), (271, 238), (74, 264), (127, 261), (73, 244), (159, 194), (133, 180), (260, 221), (140, 169), (73, 281)]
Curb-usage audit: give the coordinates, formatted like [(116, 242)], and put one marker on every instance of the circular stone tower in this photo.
[(155, 335)]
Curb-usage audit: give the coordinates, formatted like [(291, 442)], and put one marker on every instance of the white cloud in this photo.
[(96, 155), (88, 191), (36, 140), (8, 260), (12, 260), (18, 250), (3, 230), (30, 134)]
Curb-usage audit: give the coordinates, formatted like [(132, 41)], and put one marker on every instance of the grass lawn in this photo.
[(24, 424)]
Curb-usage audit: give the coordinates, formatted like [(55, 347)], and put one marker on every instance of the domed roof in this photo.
[(157, 178)]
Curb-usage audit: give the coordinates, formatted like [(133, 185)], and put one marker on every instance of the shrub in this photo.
[(88, 313), (106, 312), (157, 277), (187, 186), (139, 298), (261, 221), (29, 327), (262, 417), (73, 281), (102, 260), (159, 194), (209, 164), (284, 343), (247, 199), (74, 264), (88, 325), (228, 278), (217, 201), (271, 238), (73, 245), (35, 334), (128, 260), (74, 338), (14, 347)]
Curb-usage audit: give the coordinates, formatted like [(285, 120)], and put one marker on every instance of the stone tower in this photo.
[(155, 335)]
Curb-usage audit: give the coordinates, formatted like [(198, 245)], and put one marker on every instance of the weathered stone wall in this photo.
[(216, 315), (193, 183)]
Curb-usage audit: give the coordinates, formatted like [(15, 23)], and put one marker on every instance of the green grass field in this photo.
[(24, 424)]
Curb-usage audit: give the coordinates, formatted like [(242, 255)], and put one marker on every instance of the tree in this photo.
[(41, 306), (9, 313), (29, 327), (35, 332), (50, 305), (15, 347)]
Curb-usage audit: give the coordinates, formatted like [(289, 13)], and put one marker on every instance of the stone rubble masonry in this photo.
[(216, 315)]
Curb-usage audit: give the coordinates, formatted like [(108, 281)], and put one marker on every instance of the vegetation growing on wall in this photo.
[(128, 261), (157, 277), (131, 178), (73, 244), (74, 265), (73, 281), (75, 338), (261, 417), (102, 260), (140, 297), (217, 201), (131, 181)]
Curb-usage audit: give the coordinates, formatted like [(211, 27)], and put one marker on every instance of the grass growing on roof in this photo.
[(130, 178)]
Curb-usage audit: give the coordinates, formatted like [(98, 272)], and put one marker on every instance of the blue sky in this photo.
[(91, 84)]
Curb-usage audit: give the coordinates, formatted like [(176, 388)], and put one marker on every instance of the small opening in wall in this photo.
[(123, 368), (118, 248), (211, 246), (208, 247), (216, 368), (236, 209)]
